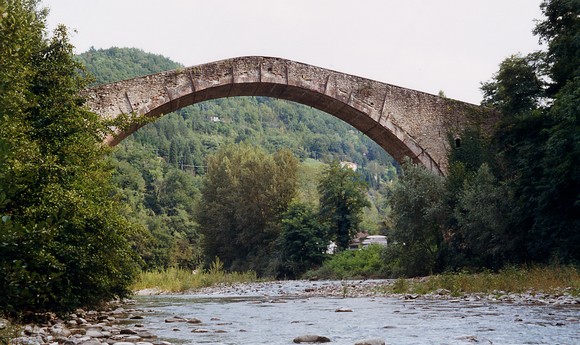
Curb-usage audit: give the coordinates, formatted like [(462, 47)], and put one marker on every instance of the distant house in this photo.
[(351, 165), (214, 119), (356, 242), (363, 239), (375, 239)]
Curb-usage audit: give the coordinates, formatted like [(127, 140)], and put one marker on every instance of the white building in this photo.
[(375, 239)]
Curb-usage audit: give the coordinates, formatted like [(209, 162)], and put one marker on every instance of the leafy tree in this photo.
[(342, 199), (557, 219), (303, 241), (164, 201), (537, 140), (419, 217), (560, 30), (58, 208), (484, 212), (244, 194), (516, 88)]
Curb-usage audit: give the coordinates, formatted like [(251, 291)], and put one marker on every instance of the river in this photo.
[(276, 315)]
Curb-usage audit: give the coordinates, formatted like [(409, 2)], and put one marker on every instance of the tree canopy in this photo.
[(342, 199), (57, 202)]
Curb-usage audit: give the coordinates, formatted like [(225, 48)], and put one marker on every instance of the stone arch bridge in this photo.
[(404, 122)]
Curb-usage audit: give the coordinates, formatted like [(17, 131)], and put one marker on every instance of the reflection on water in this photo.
[(277, 320)]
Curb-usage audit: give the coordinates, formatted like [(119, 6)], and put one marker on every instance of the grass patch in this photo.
[(8, 331), (546, 279), (180, 280)]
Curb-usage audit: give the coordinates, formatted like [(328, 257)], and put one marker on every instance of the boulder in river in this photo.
[(127, 331), (343, 310), (310, 338), (175, 319), (200, 330)]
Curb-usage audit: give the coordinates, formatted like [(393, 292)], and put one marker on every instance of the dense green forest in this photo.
[(161, 167)]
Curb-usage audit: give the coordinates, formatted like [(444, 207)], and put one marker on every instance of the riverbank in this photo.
[(116, 324), (121, 323), (551, 285), (376, 288), (547, 280)]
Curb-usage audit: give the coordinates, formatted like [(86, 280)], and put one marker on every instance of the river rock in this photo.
[(93, 333), (123, 343), (193, 320), (343, 310), (26, 341), (309, 338), (200, 330), (59, 330), (410, 296), (31, 330), (146, 334), (75, 331), (371, 341), (175, 319), (127, 331)]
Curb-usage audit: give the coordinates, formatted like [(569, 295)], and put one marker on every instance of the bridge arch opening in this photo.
[(245, 118)]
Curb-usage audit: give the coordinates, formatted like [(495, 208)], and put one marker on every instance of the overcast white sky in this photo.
[(427, 45)]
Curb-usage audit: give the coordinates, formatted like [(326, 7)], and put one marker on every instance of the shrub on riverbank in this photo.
[(179, 280), (352, 264), (547, 279)]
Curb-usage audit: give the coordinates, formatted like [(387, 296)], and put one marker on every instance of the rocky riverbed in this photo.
[(121, 322), (117, 324), (370, 288)]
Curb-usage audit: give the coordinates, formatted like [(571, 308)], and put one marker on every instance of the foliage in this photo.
[(302, 243), (342, 200), (365, 263), (178, 144), (483, 213), (557, 215), (114, 64), (57, 207), (535, 279), (538, 146), (516, 87), (244, 194), (512, 197), (560, 30), (181, 280), (418, 215)]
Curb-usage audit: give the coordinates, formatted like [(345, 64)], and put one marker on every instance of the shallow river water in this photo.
[(272, 317)]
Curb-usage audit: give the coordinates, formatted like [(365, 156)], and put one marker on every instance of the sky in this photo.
[(427, 45)]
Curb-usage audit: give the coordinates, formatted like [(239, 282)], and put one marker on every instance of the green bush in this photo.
[(352, 264)]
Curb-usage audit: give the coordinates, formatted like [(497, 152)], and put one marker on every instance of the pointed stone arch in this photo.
[(404, 122)]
